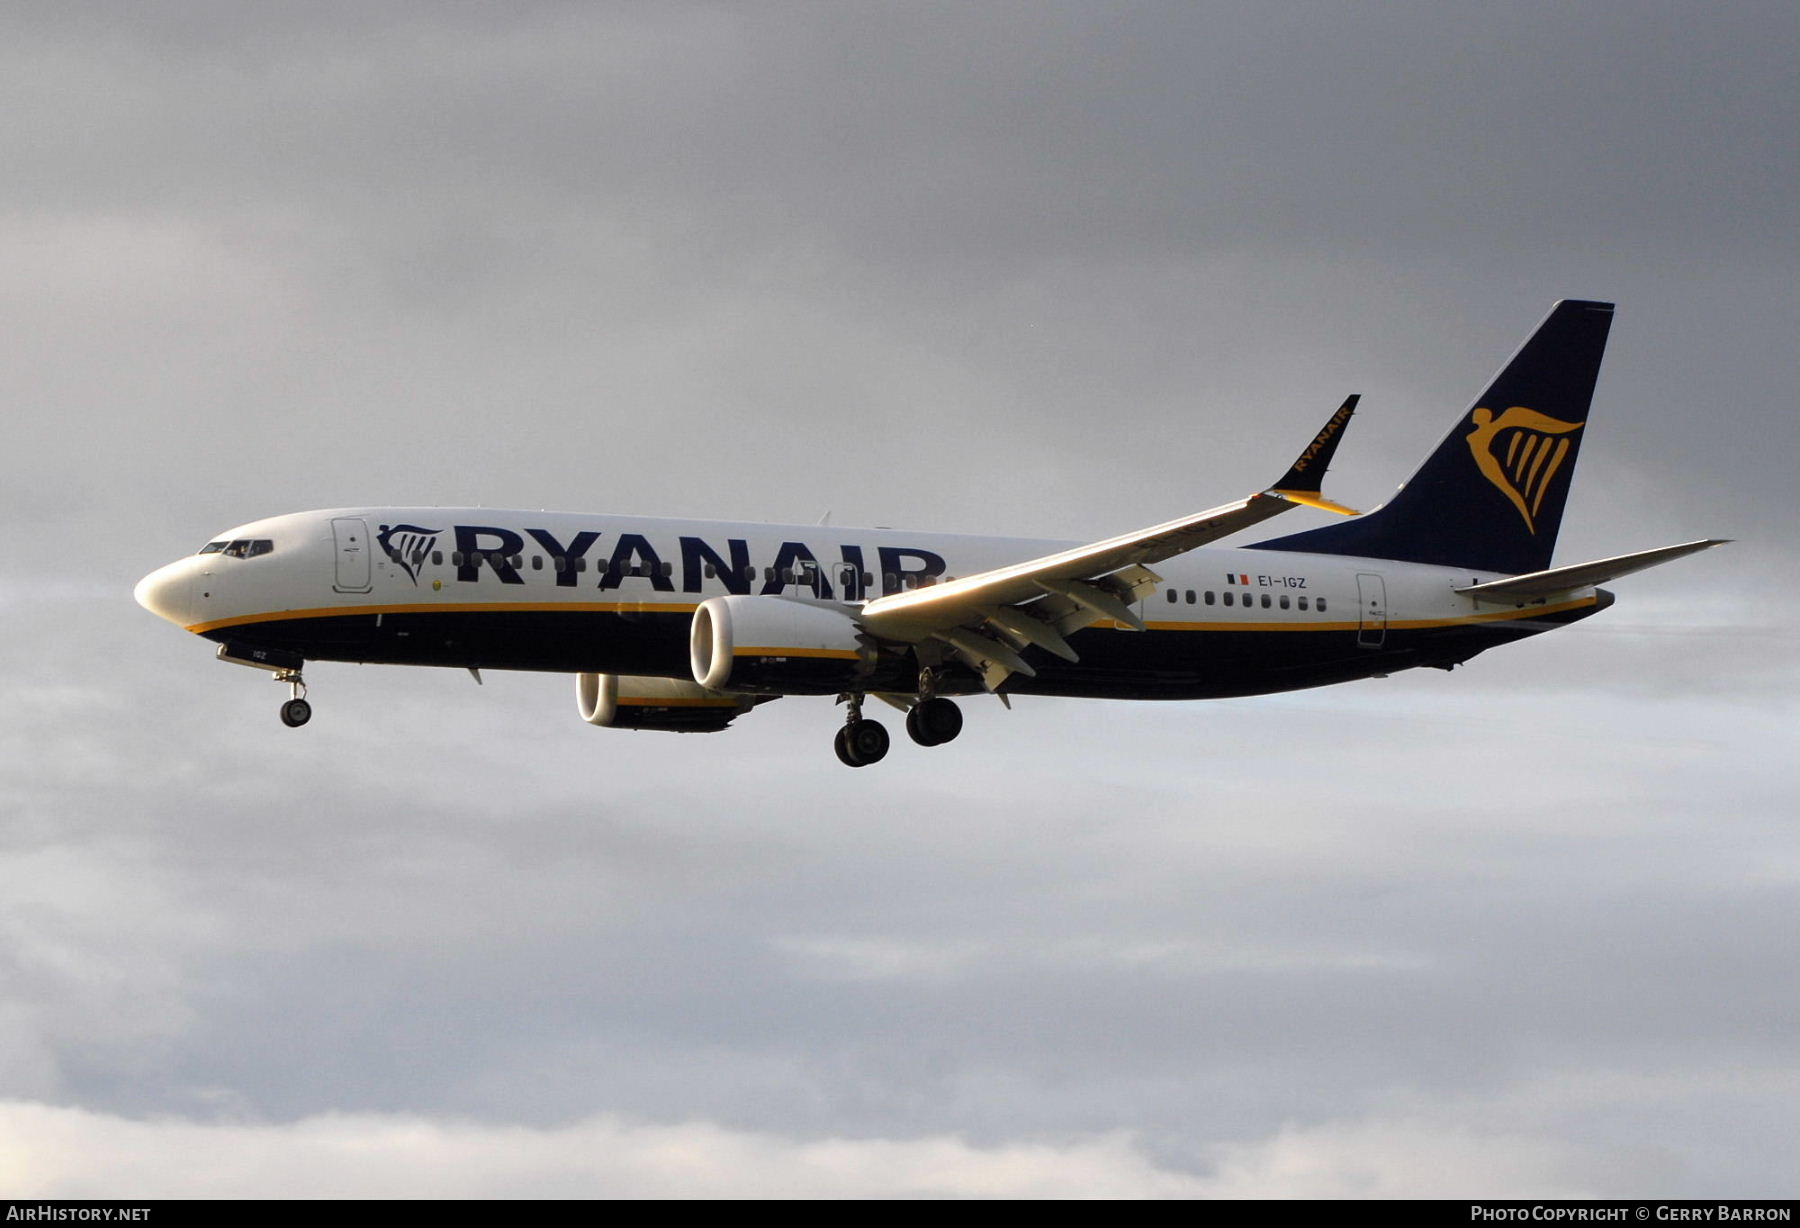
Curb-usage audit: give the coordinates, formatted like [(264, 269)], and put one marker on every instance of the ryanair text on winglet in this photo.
[(1331, 428)]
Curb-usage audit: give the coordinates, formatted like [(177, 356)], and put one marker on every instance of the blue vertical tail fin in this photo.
[(1491, 497)]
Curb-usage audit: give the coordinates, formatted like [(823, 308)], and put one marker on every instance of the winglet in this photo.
[(1301, 483)]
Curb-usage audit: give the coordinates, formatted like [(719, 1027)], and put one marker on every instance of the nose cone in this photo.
[(168, 592)]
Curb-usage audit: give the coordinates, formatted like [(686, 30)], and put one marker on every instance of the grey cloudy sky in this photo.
[(1527, 929)]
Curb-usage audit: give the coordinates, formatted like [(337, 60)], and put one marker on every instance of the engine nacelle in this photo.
[(773, 646), (623, 701)]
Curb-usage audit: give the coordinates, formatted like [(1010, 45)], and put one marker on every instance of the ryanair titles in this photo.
[(692, 565), (1325, 436)]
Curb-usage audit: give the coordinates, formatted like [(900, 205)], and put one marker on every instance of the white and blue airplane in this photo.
[(686, 625)]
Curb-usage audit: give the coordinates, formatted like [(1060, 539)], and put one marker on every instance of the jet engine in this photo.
[(622, 701), (774, 646)]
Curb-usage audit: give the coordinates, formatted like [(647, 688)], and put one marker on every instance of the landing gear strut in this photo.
[(296, 711), (860, 742)]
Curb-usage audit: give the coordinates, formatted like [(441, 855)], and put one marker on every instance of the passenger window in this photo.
[(1209, 597), (437, 558), (868, 578), (1228, 597), (537, 562), (1284, 601), (1303, 603), (1321, 605), (456, 558), (710, 571), (1171, 596), (1265, 601), (1190, 596)]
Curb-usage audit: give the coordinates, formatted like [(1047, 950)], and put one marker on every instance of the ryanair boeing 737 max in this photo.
[(685, 625)]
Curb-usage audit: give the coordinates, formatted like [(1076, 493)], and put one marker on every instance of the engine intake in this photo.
[(624, 701), (774, 646)]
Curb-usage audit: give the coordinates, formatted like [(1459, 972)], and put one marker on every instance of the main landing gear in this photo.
[(861, 742), (932, 721), (296, 711)]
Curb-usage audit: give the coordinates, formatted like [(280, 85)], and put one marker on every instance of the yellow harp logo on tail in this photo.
[(1520, 451)]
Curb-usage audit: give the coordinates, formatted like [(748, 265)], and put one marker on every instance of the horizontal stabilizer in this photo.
[(1583, 575)]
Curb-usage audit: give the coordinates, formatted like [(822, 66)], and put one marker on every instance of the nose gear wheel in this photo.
[(296, 711)]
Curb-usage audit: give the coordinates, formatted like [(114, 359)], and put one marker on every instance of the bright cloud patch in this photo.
[(51, 1152)]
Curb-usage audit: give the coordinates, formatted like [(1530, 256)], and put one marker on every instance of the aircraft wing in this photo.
[(1582, 575), (987, 620)]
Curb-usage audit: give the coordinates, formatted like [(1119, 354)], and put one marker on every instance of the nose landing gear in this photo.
[(296, 711), (284, 667)]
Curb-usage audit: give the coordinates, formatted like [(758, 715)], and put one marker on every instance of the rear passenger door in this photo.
[(1371, 627)]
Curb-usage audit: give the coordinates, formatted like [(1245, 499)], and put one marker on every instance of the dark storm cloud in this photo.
[(963, 135), (801, 219)]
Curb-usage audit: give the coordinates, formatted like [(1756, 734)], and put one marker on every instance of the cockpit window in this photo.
[(242, 548)]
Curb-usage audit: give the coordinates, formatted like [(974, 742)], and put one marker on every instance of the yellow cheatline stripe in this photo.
[(1293, 626), (836, 654), (455, 607), (634, 607), (1530, 611)]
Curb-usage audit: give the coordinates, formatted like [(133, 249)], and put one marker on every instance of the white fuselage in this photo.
[(371, 584)]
